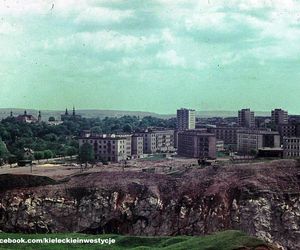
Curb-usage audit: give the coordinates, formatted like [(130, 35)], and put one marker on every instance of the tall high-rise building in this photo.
[(279, 116), (186, 119), (246, 118)]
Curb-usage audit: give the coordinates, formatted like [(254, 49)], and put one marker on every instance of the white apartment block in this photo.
[(155, 141), (112, 148)]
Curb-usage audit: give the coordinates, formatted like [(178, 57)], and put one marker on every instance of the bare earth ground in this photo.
[(60, 171)]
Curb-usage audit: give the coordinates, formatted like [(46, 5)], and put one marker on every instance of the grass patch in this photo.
[(226, 240), (155, 157)]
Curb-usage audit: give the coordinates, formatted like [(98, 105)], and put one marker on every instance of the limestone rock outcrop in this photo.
[(261, 199)]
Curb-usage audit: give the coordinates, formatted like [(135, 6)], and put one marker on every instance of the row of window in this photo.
[(112, 152), (103, 141), (292, 141), (292, 147), (293, 153)]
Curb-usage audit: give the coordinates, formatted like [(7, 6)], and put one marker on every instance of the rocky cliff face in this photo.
[(260, 199)]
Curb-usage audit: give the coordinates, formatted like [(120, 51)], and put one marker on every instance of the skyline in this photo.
[(154, 57), (207, 113)]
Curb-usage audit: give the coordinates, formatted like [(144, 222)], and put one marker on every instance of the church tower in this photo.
[(74, 111)]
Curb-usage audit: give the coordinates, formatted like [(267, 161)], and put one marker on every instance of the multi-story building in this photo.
[(226, 134), (158, 141), (164, 140), (246, 118), (279, 116), (251, 140), (291, 147), (149, 140), (289, 130), (137, 146), (113, 148), (186, 119), (196, 144)]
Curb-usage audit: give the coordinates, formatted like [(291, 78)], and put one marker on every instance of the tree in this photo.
[(127, 128), (51, 119), (70, 151), (96, 130), (38, 155), (12, 159), (86, 153), (48, 154), (50, 137), (4, 153)]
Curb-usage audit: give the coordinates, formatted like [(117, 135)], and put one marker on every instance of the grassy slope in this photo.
[(221, 241)]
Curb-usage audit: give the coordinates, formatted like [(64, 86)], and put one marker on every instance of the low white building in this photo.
[(109, 147)]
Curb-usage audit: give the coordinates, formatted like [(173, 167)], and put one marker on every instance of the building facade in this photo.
[(279, 116), (249, 141), (289, 130), (246, 118), (291, 147), (157, 141), (196, 144), (226, 134), (112, 148), (137, 146), (186, 119)]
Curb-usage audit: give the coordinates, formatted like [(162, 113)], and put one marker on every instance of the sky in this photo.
[(156, 55)]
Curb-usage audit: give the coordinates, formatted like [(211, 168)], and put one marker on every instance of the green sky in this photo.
[(155, 55)]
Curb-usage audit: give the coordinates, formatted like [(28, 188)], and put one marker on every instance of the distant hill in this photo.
[(93, 113), (89, 113), (207, 114)]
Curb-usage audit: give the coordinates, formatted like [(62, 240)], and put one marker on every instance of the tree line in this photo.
[(47, 141)]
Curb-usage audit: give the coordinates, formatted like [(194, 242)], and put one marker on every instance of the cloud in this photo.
[(212, 42), (103, 15), (102, 41), (171, 58), (15, 8), (7, 28)]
